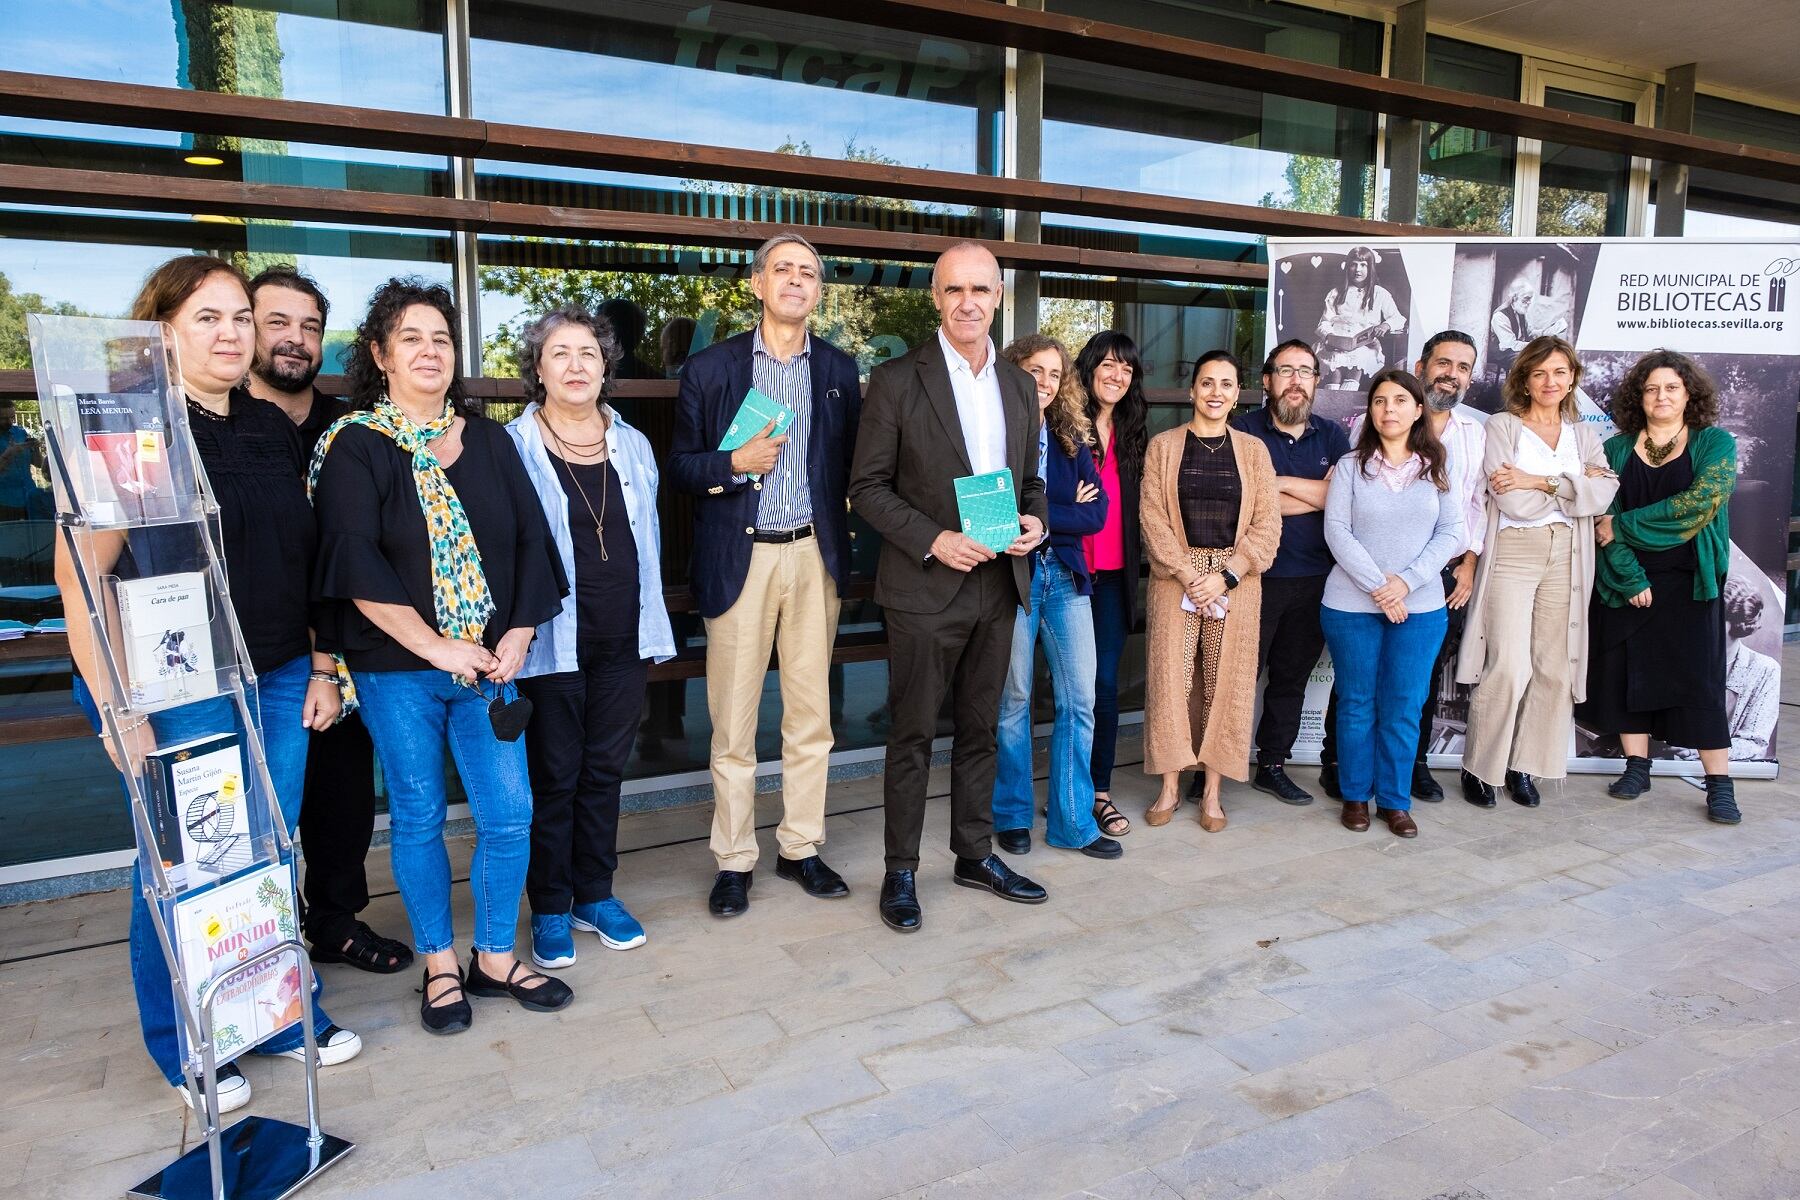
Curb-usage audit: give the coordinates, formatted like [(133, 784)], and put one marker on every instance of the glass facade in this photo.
[(727, 78)]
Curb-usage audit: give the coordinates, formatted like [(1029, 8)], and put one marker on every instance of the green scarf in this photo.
[(1700, 514), (460, 595)]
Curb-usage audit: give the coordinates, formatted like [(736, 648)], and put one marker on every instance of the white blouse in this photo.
[(1536, 458)]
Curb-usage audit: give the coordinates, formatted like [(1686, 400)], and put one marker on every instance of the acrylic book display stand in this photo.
[(173, 686)]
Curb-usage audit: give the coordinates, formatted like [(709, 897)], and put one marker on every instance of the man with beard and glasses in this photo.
[(1446, 368), (1303, 448), (337, 813)]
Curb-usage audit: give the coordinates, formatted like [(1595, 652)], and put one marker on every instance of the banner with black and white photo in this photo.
[(1733, 305)]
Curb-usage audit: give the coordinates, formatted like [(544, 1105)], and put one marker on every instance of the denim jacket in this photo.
[(553, 650)]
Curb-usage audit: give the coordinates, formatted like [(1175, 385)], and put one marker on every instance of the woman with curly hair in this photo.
[(436, 567), (1061, 615), (585, 673), (1657, 651), (1111, 378)]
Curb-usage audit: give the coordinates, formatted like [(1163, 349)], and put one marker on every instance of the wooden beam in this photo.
[(60, 186), (1181, 58)]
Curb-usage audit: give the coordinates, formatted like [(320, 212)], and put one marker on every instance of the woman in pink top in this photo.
[(1112, 375)]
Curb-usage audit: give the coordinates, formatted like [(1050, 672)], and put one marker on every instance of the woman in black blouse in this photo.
[(253, 463), (435, 567)]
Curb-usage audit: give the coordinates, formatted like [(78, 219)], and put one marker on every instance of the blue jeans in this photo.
[(1110, 600), (277, 698), (1383, 672), (411, 715), (1063, 618)]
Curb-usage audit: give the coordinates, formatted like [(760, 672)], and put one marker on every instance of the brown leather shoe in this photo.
[(1356, 816), (1154, 817), (1212, 824), (1399, 821)]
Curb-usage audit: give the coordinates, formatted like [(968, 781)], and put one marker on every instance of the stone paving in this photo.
[(1595, 999)]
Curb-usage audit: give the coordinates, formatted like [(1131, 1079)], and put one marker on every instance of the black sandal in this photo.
[(1113, 823), (444, 1018), (367, 951), (548, 995)]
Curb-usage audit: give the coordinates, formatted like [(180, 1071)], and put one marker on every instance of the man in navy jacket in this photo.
[(771, 556)]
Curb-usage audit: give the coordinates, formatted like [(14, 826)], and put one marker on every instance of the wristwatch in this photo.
[(1231, 578)]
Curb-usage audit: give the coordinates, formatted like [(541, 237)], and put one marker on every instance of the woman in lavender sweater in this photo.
[(1392, 523)]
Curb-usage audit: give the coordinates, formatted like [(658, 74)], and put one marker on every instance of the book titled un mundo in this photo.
[(989, 508), (753, 416), (220, 930)]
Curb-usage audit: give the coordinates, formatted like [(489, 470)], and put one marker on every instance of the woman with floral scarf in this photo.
[(435, 568)]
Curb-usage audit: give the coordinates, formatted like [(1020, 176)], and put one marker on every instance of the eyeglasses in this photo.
[(1297, 372)]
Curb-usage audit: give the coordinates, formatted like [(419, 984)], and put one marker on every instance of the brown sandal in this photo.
[(1113, 823)]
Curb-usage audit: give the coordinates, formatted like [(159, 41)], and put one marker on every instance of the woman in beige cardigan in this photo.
[(1525, 645), (1211, 521)]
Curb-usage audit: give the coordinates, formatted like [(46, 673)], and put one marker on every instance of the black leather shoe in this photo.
[(991, 875), (1103, 847), (812, 875), (1014, 841), (1522, 790), (1476, 792), (900, 902), (1197, 786), (730, 894), (1328, 781), (1425, 785), (1721, 800), (1274, 780)]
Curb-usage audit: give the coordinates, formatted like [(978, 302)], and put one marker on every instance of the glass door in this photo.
[(1576, 191)]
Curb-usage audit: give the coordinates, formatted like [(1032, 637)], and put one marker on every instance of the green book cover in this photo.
[(989, 509), (753, 416)]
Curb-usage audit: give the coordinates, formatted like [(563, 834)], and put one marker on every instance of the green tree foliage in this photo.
[(15, 344)]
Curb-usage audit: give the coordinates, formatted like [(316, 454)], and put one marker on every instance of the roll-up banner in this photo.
[(1732, 304)]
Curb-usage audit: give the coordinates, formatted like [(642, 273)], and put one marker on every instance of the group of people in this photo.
[(412, 577)]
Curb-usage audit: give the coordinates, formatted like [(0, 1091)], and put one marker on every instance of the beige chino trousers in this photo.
[(789, 602), (1521, 711)]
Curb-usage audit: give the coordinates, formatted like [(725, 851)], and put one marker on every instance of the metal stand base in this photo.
[(261, 1159)]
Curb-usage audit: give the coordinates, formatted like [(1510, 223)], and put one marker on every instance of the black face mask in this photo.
[(508, 717)]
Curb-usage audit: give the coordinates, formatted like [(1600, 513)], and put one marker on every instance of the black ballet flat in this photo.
[(546, 995), (444, 1018)]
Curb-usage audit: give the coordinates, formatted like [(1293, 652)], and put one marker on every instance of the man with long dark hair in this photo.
[(1303, 448)]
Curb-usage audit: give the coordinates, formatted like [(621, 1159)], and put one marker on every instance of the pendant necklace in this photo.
[(563, 448), (1657, 454)]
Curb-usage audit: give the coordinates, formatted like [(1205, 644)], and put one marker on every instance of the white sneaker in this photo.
[(234, 1090), (335, 1046)]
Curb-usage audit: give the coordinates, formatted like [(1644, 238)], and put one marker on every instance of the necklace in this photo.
[(1657, 454), (1212, 449), (563, 447)]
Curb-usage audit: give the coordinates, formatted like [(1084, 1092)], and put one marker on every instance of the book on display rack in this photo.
[(217, 930), (124, 471), (166, 623), (198, 809)]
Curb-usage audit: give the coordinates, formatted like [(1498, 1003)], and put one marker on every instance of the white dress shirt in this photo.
[(978, 407)]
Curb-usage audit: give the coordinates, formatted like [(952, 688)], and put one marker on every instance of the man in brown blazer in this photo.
[(950, 407)]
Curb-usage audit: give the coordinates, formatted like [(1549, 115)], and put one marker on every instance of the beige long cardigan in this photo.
[(1168, 736), (1579, 498)]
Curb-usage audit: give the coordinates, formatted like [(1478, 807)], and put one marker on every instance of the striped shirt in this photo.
[(786, 497)]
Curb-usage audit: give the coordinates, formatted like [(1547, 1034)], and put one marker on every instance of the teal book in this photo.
[(753, 416), (989, 508)]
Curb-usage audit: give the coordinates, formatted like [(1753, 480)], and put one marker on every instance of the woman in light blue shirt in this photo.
[(1392, 522), (586, 670)]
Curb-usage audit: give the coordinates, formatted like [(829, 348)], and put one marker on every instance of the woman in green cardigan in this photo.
[(1656, 662)]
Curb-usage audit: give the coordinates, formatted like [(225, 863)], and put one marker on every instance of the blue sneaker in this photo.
[(552, 945), (618, 929)]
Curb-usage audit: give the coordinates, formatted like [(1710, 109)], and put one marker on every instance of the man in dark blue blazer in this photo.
[(771, 557)]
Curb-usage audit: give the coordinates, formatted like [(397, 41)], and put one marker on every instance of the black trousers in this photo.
[(1288, 649), (1458, 618), (337, 819), (583, 723), (965, 650)]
